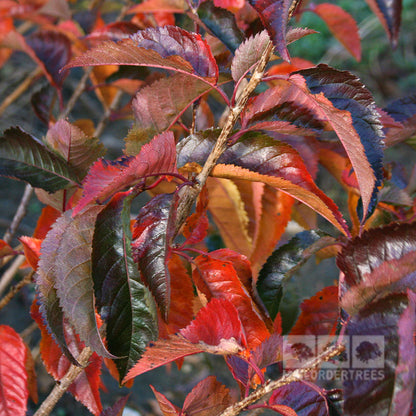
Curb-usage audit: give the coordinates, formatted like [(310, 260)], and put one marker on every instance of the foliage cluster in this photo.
[(229, 133)]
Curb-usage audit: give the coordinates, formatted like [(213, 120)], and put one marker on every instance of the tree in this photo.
[(229, 131)]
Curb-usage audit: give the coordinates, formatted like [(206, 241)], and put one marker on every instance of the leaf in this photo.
[(207, 333), (42, 102), (117, 408), (53, 51), (269, 161), (74, 146), (157, 106), (24, 157), (283, 263), (216, 324), (389, 12), (196, 225), (228, 213), (73, 281), (122, 300), (13, 376), (85, 386), (380, 262), (168, 47), (346, 92), (222, 282), (31, 248), (151, 6), (166, 407), (301, 398), (382, 340), (152, 234), (319, 314), (274, 15), (107, 178), (221, 23), (45, 222), (5, 249), (342, 25), (248, 54), (208, 398)]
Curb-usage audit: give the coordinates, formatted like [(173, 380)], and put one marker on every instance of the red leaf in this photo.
[(47, 218), (13, 375), (196, 225), (342, 25), (208, 398), (106, 178), (222, 282), (5, 249), (319, 314), (215, 325), (86, 385), (31, 247), (166, 407)]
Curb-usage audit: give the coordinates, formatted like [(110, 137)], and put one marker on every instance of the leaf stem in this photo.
[(189, 195), (15, 289), (59, 389), (296, 375)]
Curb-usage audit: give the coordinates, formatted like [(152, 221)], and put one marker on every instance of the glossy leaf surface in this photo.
[(107, 178), (123, 301), (13, 376), (24, 157), (152, 234), (281, 265)]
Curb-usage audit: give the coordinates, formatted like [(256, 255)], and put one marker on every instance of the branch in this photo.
[(296, 375), (191, 193), (63, 385), (10, 272), (15, 289), (20, 214)]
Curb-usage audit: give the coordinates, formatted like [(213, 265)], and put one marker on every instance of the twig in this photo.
[(20, 214), (27, 279), (10, 272), (14, 95), (59, 389), (190, 194), (296, 375), (104, 119)]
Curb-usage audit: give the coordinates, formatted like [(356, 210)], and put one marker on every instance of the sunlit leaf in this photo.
[(248, 53), (379, 262), (150, 6), (13, 376), (382, 340), (221, 280), (166, 407), (168, 47), (221, 23), (107, 178), (24, 157), (342, 25), (152, 234), (31, 248), (283, 263), (121, 298)]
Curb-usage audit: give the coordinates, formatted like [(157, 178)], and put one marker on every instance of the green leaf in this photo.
[(124, 303), (24, 157), (283, 263)]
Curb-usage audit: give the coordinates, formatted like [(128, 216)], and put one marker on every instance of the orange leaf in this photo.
[(47, 218), (342, 25), (31, 247)]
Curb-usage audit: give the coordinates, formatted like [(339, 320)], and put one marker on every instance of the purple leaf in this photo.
[(117, 408), (275, 14), (168, 47), (107, 178), (53, 51), (381, 261), (153, 231), (382, 342)]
